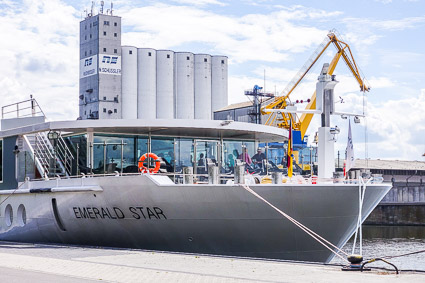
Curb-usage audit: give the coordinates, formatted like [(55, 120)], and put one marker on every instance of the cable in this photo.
[(310, 232)]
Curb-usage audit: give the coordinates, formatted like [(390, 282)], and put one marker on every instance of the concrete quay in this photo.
[(22, 262)]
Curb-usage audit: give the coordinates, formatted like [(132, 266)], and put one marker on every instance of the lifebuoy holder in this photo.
[(143, 168)]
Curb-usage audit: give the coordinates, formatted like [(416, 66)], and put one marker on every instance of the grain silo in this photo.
[(129, 82), (219, 92), (146, 83), (184, 85), (203, 108), (165, 84)]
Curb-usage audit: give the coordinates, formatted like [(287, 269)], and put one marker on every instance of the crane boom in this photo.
[(283, 101)]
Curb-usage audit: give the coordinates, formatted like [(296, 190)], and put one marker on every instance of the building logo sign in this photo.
[(109, 64), (88, 66)]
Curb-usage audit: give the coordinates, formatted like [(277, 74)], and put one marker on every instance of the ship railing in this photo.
[(199, 179), (26, 108)]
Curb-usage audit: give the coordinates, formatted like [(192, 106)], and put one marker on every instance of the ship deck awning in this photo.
[(208, 129)]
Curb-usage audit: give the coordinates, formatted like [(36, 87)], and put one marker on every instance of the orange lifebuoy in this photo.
[(143, 168)]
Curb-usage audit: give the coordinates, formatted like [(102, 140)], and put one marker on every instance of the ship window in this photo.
[(115, 110), (90, 35), (85, 53), (104, 110), (222, 61), (149, 54), (130, 51), (134, 147), (106, 23), (115, 24), (115, 51), (104, 49), (90, 25), (104, 98), (205, 60), (187, 58), (164, 148), (1, 160), (85, 37), (86, 27), (115, 34), (168, 55), (104, 33), (233, 150), (90, 51)]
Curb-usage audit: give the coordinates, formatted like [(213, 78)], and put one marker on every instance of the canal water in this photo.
[(380, 241)]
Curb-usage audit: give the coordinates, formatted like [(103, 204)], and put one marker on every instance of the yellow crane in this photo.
[(282, 101)]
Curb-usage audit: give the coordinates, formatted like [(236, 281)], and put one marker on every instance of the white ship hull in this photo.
[(149, 212)]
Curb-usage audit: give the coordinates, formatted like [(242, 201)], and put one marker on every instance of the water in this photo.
[(380, 241)]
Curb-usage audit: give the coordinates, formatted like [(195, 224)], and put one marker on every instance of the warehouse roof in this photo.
[(389, 164)]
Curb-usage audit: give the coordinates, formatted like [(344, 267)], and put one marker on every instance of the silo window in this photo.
[(115, 51), (187, 58), (104, 110), (104, 33), (104, 49), (205, 60), (129, 51), (168, 55), (222, 61), (149, 54), (115, 34)]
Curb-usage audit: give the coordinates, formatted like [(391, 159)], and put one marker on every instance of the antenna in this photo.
[(101, 6), (112, 6), (92, 7)]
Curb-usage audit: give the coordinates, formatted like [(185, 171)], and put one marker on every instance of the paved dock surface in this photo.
[(56, 263)]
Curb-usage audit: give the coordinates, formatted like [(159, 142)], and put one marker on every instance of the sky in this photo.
[(267, 43)]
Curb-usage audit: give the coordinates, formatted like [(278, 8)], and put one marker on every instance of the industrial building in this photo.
[(126, 82)]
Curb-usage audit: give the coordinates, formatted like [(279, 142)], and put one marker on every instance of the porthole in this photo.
[(22, 215), (8, 215)]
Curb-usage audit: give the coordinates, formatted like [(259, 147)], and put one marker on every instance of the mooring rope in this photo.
[(310, 232), (13, 192)]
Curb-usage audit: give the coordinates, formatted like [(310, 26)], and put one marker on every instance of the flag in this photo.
[(289, 158), (349, 152)]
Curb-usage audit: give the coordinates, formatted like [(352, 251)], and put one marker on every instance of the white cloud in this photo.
[(201, 2), (40, 49), (263, 37)]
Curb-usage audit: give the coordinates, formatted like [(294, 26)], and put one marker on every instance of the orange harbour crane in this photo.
[(286, 119)]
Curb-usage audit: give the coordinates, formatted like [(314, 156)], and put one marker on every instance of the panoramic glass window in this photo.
[(1, 160), (78, 146), (164, 149), (107, 154), (184, 154), (233, 150)]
